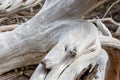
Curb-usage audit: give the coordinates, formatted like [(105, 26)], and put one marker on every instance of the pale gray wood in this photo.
[(63, 62), (102, 61), (105, 31), (40, 73), (8, 27), (41, 33), (72, 44), (107, 41)]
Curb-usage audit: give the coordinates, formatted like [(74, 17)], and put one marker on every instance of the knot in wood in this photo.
[(47, 63), (73, 53)]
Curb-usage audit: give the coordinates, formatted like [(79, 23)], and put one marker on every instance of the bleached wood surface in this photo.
[(72, 45)]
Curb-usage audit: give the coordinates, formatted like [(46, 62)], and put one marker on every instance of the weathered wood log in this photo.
[(41, 33), (70, 56), (73, 45)]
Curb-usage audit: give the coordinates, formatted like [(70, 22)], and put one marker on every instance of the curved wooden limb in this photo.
[(102, 28), (40, 73), (111, 71), (56, 25), (111, 45), (102, 62), (75, 51), (110, 42)]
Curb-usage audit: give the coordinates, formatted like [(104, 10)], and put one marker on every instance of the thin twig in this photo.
[(110, 8), (108, 20)]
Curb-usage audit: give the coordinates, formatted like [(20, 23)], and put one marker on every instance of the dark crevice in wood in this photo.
[(88, 73), (63, 70), (24, 0), (66, 48)]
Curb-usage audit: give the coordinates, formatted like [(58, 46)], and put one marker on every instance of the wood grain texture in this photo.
[(68, 43)]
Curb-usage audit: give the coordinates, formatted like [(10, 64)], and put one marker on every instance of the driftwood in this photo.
[(72, 45), (8, 7), (8, 27)]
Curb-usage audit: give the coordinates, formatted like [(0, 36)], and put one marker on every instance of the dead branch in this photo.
[(103, 29), (111, 7), (44, 31), (8, 27), (70, 49), (107, 20), (110, 42)]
